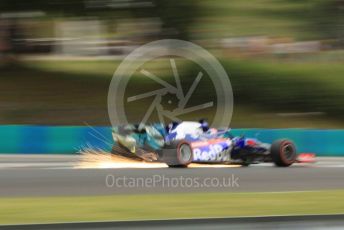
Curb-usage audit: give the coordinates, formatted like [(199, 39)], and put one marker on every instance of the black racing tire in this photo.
[(177, 154), (283, 153)]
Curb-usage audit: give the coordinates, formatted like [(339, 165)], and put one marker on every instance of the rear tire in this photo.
[(283, 153), (178, 154)]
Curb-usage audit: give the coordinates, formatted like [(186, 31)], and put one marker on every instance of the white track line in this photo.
[(35, 165), (322, 163)]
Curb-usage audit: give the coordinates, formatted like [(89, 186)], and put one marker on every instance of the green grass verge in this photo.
[(166, 206), (225, 18), (77, 92), (301, 87)]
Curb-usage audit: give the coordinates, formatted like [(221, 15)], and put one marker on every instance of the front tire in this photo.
[(283, 153), (178, 154)]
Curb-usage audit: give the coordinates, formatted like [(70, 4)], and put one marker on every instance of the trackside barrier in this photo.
[(52, 139), (19, 139)]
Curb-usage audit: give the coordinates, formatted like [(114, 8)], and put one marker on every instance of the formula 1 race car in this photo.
[(179, 144)]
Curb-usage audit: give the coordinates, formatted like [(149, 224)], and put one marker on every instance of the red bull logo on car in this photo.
[(213, 150)]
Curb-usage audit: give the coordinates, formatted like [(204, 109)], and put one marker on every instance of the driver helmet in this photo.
[(204, 125)]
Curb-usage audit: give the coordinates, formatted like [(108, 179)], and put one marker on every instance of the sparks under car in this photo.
[(179, 144)]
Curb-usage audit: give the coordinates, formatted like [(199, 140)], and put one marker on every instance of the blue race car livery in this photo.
[(179, 144)]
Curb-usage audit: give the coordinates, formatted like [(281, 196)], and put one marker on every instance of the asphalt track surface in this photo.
[(334, 222), (51, 175)]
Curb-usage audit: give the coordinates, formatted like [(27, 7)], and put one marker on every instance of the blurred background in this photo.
[(284, 57)]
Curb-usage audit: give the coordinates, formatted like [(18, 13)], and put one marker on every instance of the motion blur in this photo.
[(285, 58), (63, 159)]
